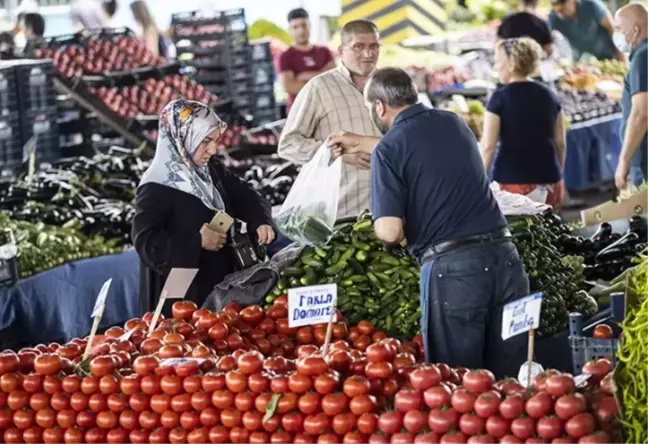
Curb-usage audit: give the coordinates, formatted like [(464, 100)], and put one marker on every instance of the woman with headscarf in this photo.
[(178, 197)]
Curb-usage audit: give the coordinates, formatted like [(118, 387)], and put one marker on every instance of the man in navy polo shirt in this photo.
[(632, 35), (428, 185)]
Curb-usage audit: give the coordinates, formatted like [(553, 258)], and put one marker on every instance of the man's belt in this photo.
[(447, 246)]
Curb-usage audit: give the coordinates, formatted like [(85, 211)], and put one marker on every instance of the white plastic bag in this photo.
[(309, 212)]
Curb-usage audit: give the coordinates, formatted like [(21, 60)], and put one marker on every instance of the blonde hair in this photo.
[(523, 53)]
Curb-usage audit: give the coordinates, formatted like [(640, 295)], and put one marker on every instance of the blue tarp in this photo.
[(56, 304)]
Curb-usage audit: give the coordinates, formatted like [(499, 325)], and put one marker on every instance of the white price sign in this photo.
[(100, 304), (521, 316), (311, 305), (175, 287)]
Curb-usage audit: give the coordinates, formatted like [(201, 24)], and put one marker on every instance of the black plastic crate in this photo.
[(36, 84), (260, 51), (263, 100), (8, 90), (239, 74), (263, 73), (42, 124), (262, 116), (11, 154), (238, 41), (240, 87)]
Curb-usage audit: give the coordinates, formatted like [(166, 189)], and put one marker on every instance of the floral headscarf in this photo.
[(184, 125)]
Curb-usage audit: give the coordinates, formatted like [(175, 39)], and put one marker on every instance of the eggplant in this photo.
[(607, 271), (603, 232), (638, 225), (630, 239)]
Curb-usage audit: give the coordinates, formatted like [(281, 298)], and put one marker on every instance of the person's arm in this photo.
[(346, 142), (605, 19), (152, 38), (637, 126), (248, 205), (297, 143), (307, 75), (388, 197), (159, 248), (287, 76), (490, 136), (560, 138)]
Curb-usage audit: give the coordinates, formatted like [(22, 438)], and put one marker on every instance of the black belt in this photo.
[(447, 246)]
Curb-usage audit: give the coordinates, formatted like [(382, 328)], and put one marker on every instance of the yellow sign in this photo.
[(397, 20)]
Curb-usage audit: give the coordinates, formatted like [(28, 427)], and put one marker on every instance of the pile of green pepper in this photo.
[(632, 374), (374, 284), (559, 278), (42, 247)]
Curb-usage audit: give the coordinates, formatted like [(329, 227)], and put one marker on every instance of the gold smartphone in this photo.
[(221, 222)]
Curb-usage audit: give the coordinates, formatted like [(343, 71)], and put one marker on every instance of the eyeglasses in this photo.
[(360, 48)]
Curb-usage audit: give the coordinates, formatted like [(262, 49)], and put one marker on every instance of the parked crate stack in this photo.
[(264, 106), (27, 109)]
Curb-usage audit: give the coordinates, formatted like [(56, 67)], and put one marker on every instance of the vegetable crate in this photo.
[(260, 52), (42, 124), (11, 154), (8, 89), (584, 347), (35, 80)]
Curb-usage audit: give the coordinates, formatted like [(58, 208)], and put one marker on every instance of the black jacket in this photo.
[(166, 234)]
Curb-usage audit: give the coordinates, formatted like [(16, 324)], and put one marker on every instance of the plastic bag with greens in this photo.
[(309, 212)]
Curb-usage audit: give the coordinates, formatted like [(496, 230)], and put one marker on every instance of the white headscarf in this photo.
[(184, 125)]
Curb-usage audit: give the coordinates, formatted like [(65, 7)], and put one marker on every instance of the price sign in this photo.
[(176, 287), (100, 304), (521, 316), (311, 305), (178, 361)]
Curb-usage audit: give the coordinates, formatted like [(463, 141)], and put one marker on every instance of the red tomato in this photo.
[(523, 428), (219, 435), (478, 381), (497, 426), (45, 364), (367, 404), (549, 427), (442, 420), (407, 399), (327, 383), (599, 368), (390, 422), (437, 396), (568, 406), (336, 403), (425, 377), (414, 421), (595, 438), (603, 331), (512, 406), (580, 425), (317, 424), (487, 404), (463, 400), (380, 352), (539, 405), (471, 424), (558, 385)]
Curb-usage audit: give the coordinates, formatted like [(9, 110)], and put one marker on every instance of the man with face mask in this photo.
[(632, 35), (428, 185), (332, 102), (587, 26)]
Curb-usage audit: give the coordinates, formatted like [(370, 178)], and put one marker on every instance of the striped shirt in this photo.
[(329, 103)]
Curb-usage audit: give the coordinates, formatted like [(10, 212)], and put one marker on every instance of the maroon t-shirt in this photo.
[(298, 61)]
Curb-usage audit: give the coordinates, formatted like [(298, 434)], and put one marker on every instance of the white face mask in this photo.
[(620, 41)]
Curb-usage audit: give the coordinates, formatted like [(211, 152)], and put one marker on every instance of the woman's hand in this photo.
[(265, 234), (212, 240)]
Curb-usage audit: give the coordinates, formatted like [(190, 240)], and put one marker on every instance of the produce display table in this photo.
[(593, 149), (56, 304)]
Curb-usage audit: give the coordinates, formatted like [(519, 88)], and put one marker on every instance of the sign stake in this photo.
[(329, 329), (157, 313), (530, 353), (93, 333)]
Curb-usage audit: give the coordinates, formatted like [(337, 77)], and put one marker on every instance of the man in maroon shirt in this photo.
[(302, 61)]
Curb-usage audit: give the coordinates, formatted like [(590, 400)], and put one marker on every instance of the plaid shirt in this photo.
[(329, 103)]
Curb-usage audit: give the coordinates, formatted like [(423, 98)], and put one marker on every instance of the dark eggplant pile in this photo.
[(607, 254), (559, 277), (271, 176), (95, 194)]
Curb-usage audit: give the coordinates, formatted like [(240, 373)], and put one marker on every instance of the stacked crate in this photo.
[(264, 107), (27, 109)]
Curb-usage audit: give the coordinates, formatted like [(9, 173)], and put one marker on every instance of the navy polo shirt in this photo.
[(427, 170), (636, 81)]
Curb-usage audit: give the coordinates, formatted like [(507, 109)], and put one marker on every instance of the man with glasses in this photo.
[(587, 26), (332, 102)]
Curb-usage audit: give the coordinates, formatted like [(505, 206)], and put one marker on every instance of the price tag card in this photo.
[(521, 316), (311, 305), (100, 304), (29, 148), (523, 375), (170, 362), (461, 103), (178, 282), (126, 336)]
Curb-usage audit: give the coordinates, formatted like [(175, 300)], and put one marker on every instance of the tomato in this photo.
[(598, 368), (145, 365), (236, 381), (437, 396), (606, 410), (309, 403), (66, 418), (9, 362), (379, 370), (59, 401), (603, 331), (425, 377), (558, 385), (230, 418), (568, 406), (17, 400), (287, 402), (218, 435), (471, 424), (33, 435), (24, 419), (497, 426), (71, 384), (427, 438), (258, 383), (181, 403), (139, 402), (354, 438), (327, 383), (512, 406), (109, 420), (356, 386), (481, 439), (344, 422), (190, 420), (201, 400), (508, 386), (442, 420), (45, 364), (299, 383), (487, 404), (595, 438), (523, 427), (478, 381), (32, 383), (311, 365), (539, 381), (244, 401), (10, 382), (128, 419), (463, 400), (209, 417), (177, 436), (364, 404), (328, 438), (272, 425), (580, 425), (380, 439), (380, 352), (414, 421), (539, 405), (317, 424), (40, 401), (44, 418), (86, 419), (336, 403), (170, 419), (183, 309), (52, 436), (292, 422), (102, 366), (73, 436), (213, 381), (510, 439), (549, 427), (222, 399)]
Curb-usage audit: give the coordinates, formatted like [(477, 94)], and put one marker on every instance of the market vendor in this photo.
[(303, 60), (428, 185), (632, 32), (524, 144), (526, 23), (180, 194), (587, 26), (333, 102)]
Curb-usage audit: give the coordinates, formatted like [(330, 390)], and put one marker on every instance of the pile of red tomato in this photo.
[(246, 377)]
